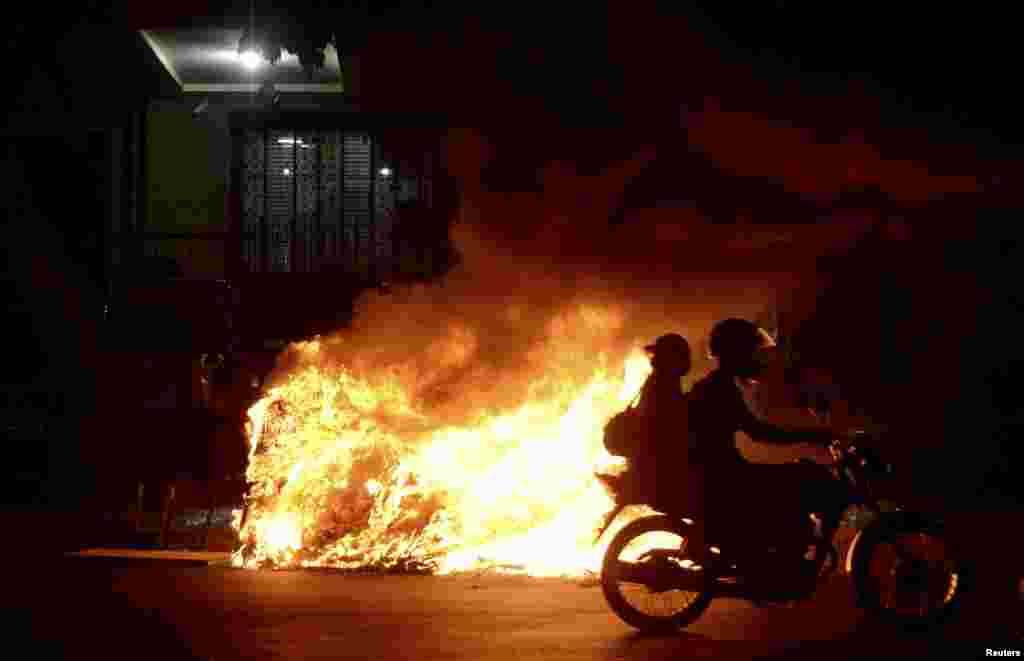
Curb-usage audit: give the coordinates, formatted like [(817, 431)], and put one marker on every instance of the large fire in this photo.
[(352, 470)]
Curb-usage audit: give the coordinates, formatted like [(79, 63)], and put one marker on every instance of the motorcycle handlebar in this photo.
[(858, 435)]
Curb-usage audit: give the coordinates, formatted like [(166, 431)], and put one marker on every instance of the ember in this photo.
[(356, 468)]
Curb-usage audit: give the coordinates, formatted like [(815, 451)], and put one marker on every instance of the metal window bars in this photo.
[(315, 200)]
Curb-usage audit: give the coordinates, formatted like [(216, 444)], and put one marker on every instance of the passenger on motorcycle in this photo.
[(655, 468), (726, 486)]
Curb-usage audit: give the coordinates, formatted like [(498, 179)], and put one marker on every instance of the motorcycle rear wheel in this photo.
[(624, 576)]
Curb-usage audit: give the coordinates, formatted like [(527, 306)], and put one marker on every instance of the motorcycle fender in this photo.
[(850, 551), (888, 521)]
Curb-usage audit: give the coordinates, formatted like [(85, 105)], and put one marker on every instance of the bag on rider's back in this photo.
[(624, 432)]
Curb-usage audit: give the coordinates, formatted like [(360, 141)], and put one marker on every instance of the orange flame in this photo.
[(355, 470)]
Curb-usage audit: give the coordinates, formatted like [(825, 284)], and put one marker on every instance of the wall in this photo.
[(188, 171), (51, 325), (64, 160), (186, 183)]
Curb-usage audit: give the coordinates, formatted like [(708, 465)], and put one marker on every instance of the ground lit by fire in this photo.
[(352, 469)]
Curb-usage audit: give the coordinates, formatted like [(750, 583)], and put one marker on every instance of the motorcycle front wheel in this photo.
[(650, 578), (907, 574)]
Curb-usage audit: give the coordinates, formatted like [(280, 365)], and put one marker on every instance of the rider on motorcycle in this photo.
[(726, 485)]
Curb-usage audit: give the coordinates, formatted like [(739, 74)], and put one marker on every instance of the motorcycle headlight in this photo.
[(870, 460)]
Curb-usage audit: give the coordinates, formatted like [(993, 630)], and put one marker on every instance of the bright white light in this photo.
[(251, 59), (286, 172), (293, 141), (385, 172)]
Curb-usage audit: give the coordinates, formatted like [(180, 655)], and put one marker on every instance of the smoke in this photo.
[(545, 287)]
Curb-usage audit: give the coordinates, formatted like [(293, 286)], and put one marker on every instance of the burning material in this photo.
[(362, 468)]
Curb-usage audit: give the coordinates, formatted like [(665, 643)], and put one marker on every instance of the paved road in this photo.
[(89, 608)]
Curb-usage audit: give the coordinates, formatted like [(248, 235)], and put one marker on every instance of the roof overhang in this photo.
[(206, 60)]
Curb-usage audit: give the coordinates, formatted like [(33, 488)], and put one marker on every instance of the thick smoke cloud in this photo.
[(534, 226), (545, 286)]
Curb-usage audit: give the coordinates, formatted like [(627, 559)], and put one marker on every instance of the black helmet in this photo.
[(670, 345), (737, 339)]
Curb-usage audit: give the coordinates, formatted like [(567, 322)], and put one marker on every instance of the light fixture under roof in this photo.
[(250, 59), (216, 60)]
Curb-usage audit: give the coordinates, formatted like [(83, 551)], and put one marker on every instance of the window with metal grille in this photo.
[(316, 200)]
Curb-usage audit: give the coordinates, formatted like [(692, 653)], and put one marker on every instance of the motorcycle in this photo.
[(900, 564)]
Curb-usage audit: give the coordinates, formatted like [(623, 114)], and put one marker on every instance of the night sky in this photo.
[(684, 126)]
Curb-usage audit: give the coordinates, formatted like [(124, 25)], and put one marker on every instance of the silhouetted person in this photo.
[(662, 406), (734, 493)]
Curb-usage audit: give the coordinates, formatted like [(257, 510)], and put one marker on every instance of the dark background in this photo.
[(935, 324)]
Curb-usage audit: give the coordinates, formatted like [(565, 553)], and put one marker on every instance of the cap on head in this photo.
[(672, 344)]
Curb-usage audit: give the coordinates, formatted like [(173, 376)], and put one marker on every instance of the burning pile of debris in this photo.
[(364, 471)]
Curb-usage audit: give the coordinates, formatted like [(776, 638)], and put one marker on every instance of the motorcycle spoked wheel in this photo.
[(905, 577), (644, 578)]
